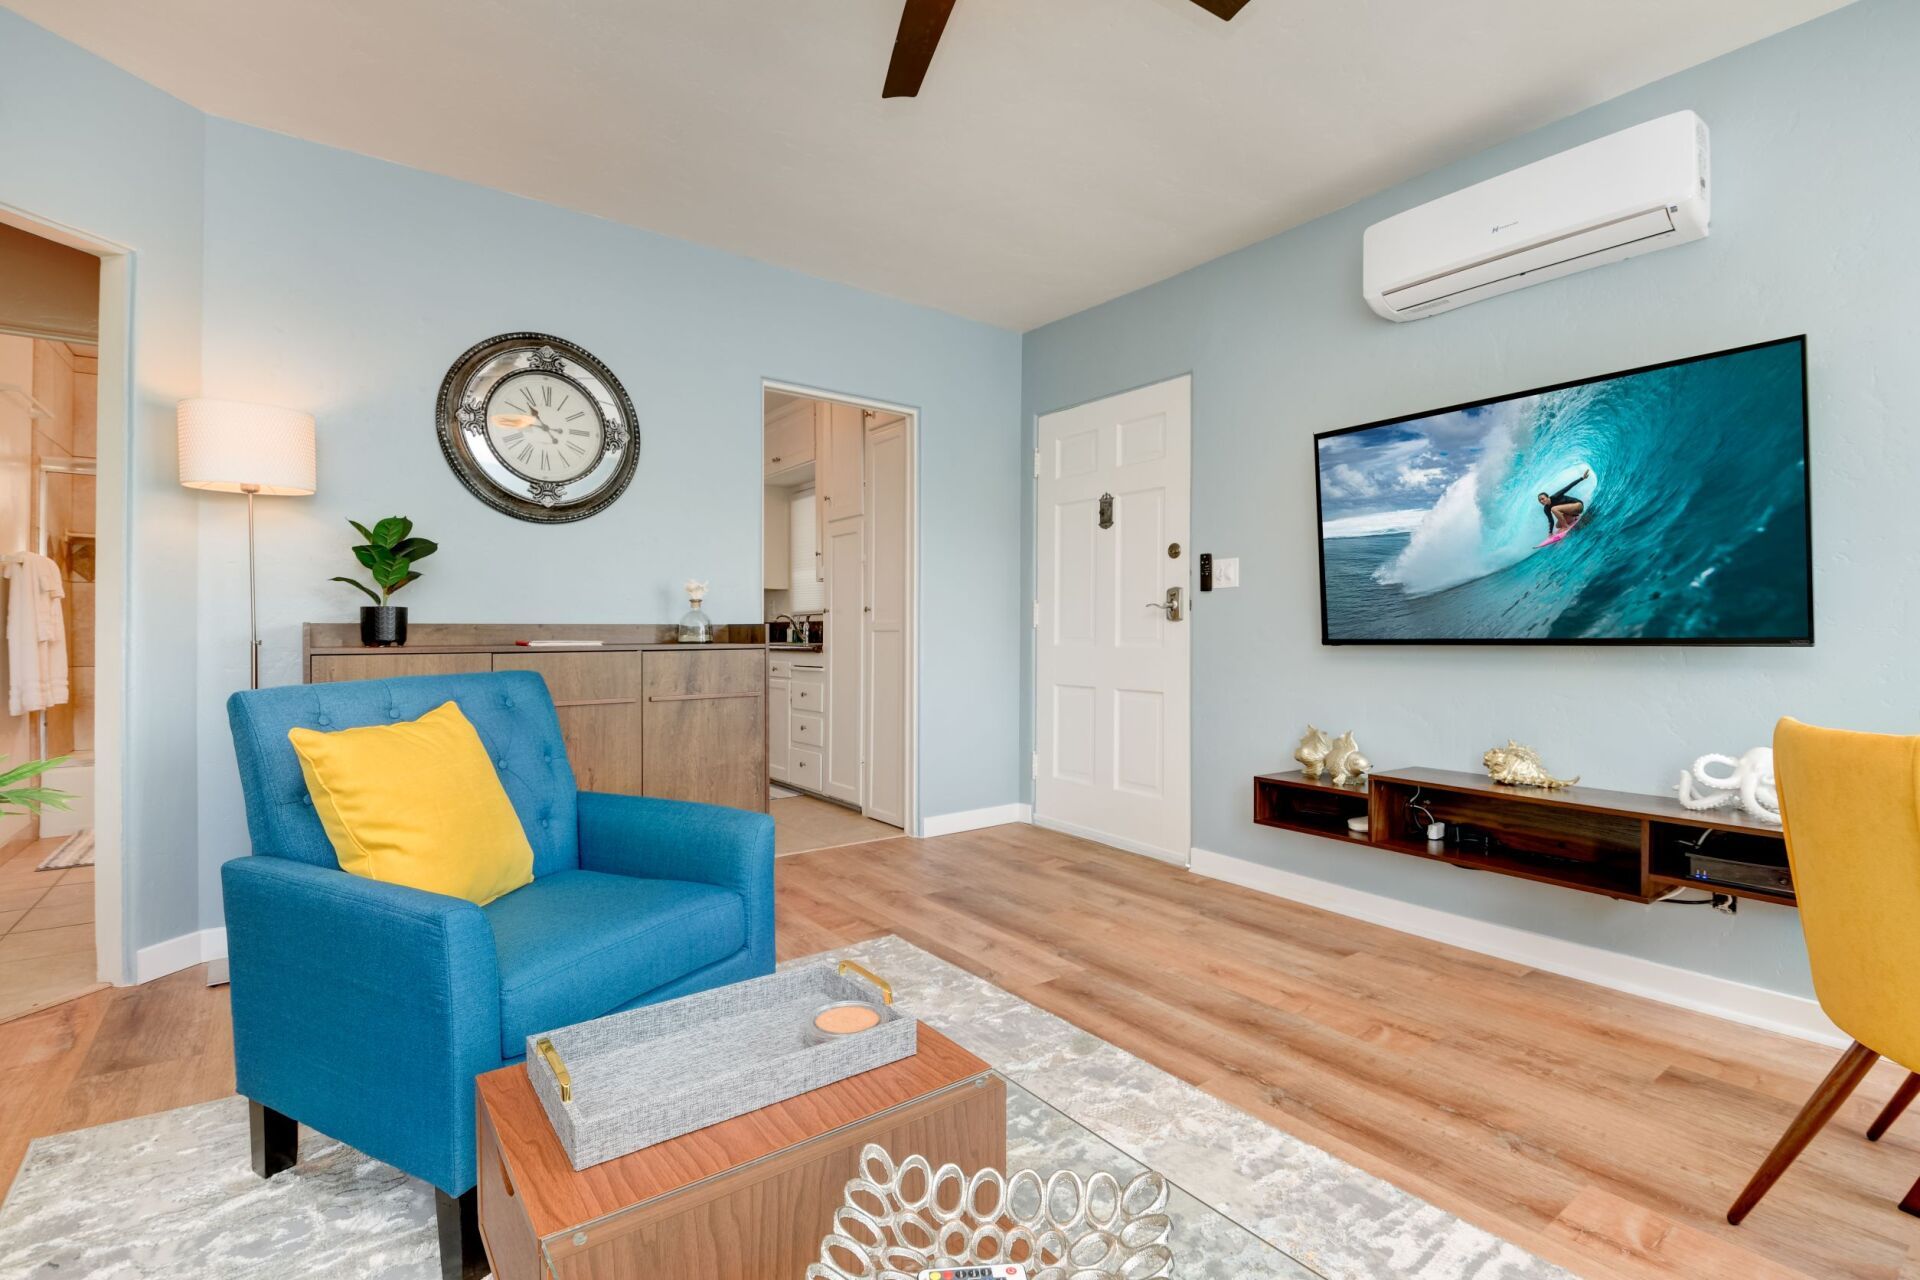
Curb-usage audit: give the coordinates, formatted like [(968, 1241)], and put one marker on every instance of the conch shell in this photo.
[(1312, 752), (1348, 765), (1516, 766)]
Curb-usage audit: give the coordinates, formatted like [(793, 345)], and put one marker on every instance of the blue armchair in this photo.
[(365, 1010)]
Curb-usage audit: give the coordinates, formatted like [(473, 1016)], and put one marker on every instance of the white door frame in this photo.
[(912, 415), (112, 528), (1191, 596)]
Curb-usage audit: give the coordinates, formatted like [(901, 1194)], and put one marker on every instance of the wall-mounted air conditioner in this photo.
[(1628, 193)]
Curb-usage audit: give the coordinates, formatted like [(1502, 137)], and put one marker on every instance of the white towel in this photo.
[(36, 633)]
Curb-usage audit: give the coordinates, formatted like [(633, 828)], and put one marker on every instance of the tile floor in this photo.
[(46, 932), (805, 823)]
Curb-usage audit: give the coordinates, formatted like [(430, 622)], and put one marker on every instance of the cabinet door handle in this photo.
[(696, 697)]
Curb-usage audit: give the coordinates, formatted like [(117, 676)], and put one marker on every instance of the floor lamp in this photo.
[(231, 447)]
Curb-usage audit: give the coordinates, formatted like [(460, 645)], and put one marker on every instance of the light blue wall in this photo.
[(86, 145), (347, 286), (1814, 151)]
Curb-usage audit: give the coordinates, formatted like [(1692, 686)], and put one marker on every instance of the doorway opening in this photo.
[(63, 347), (839, 538)]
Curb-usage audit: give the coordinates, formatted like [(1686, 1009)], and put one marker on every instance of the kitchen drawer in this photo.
[(779, 668), (809, 730), (809, 695), (808, 768)]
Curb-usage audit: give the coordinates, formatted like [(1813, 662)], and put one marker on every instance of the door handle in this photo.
[(1171, 605)]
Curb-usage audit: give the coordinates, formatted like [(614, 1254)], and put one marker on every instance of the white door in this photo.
[(846, 592), (886, 647), (1111, 668)]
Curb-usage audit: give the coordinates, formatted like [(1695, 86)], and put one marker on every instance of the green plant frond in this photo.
[(416, 549), (362, 530), (361, 586), (30, 768), (389, 532), (35, 799), (411, 577), (366, 555)]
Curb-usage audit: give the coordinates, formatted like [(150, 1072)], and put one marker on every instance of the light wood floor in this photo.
[(46, 931), (1604, 1132), (802, 823)]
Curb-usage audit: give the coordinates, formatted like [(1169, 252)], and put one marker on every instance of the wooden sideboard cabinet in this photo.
[(641, 715)]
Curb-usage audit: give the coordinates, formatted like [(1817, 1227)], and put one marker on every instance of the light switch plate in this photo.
[(1226, 572)]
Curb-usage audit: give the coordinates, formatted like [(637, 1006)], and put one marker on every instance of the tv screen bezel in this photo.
[(1749, 642)]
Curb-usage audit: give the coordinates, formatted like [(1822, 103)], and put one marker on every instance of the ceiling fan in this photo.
[(922, 21)]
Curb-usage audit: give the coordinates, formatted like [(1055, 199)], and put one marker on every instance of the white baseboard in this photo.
[(175, 954), (1121, 843), (1791, 1015), (946, 824)]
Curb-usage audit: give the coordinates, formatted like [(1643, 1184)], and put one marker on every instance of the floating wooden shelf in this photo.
[(1615, 843)]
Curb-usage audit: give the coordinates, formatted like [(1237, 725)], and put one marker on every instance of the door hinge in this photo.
[(1036, 766), (1036, 613), (1036, 464)]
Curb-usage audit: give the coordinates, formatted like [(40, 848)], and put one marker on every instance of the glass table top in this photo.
[(1207, 1244)]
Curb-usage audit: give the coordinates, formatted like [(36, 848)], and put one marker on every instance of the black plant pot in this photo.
[(383, 625)]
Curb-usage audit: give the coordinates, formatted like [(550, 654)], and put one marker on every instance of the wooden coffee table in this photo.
[(747, 1199)]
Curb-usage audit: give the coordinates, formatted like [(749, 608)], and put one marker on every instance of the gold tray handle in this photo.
[(886, 988), (544, 1046)]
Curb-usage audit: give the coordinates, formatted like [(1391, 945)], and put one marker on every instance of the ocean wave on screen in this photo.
[(1490, 518)]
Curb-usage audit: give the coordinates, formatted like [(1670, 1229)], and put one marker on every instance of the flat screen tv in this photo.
[(1664, 505)]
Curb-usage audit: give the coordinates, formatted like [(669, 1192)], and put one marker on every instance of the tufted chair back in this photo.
[(511, 710)]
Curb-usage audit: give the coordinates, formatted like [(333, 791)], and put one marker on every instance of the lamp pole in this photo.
[(253, 608)]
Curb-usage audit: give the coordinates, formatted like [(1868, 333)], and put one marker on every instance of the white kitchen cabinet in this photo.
[(841, 474), (792, 436), (846, 593), (776, 530), (779, 732)]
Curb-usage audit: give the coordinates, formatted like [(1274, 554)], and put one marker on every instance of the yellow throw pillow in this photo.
[(417, 803)]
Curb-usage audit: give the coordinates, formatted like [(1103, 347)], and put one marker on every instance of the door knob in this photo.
[(1171, 605)]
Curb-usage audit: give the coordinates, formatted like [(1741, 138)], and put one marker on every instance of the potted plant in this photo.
[(388, 554), (16, 798)]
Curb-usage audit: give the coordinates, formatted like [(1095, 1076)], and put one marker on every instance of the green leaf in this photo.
[(411, 577), (30, 768), (390, 531), (366, 555), (362, 530), (358, 585), (36, 798), (416, 548)]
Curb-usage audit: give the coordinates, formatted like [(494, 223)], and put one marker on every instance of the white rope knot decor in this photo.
[(899, 1220)]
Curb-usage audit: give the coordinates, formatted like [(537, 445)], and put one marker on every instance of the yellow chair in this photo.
[(1851, 802)]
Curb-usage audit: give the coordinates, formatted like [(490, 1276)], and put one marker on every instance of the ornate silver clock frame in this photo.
[(462, 427)]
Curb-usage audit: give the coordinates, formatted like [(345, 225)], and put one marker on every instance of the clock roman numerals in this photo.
[(528, 427)]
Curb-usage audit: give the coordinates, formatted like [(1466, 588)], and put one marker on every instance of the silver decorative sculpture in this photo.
[(1348, 766), (898, 1220), (1516, 766), (1312, 752), (1749, 787)]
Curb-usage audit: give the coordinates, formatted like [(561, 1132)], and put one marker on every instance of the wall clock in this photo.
[(536, 427)]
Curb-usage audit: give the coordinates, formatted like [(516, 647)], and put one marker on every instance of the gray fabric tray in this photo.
[(650, 1074)]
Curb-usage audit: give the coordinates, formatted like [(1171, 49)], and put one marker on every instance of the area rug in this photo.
[(172, 1195), (75, 851)]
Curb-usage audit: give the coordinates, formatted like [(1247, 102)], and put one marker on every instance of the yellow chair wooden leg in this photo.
[(1834, 1090), (1901, 1097)]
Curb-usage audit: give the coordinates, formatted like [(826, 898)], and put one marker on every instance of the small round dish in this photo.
[(843, 1018)]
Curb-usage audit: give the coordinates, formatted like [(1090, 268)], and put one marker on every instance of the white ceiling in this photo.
[(1062, 152)]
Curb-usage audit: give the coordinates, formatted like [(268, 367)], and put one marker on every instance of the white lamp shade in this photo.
[(236, 447)]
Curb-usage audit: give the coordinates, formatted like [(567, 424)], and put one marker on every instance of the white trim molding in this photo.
[(946, 824), (1112, 841), (183, 952), (1792, 1015)]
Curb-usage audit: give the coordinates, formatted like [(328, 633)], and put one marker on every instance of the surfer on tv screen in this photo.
[(1562, 508)]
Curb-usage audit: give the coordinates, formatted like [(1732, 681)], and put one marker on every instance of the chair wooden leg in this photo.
[(462, 1255), (1834, 1090), (274, 1139), (1912, 1203), (1901, 1097)]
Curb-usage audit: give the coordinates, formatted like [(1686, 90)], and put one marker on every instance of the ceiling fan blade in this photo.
[(1222, 9), (921, 23)]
